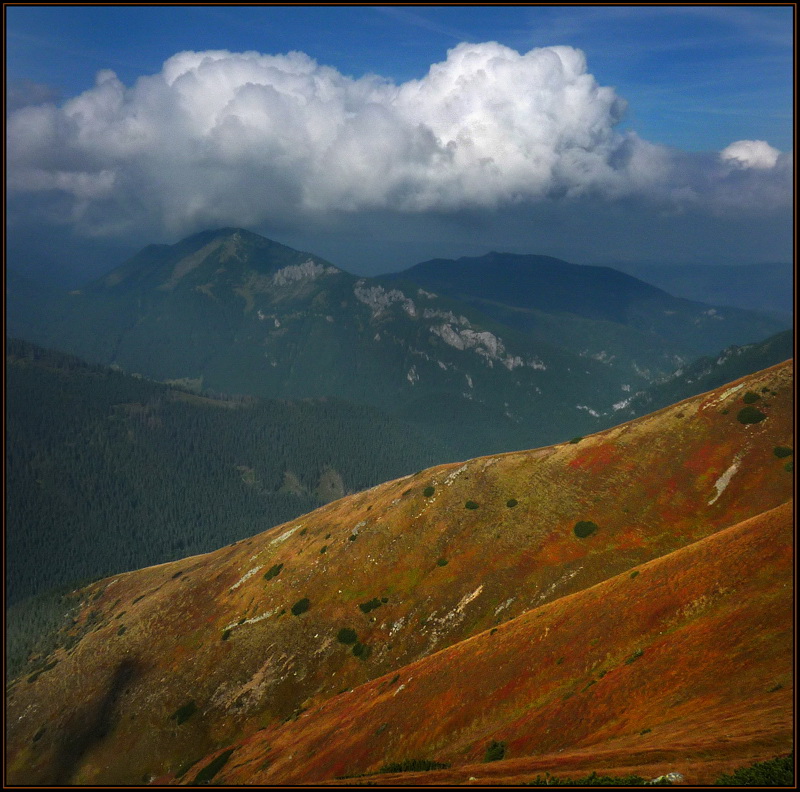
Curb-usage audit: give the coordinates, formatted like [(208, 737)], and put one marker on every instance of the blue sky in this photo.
[(692, 80), (695, 77)]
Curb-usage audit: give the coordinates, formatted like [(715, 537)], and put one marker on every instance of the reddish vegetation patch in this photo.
[(595, 458)]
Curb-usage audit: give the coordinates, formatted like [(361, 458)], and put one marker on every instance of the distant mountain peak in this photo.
[(201, 258)]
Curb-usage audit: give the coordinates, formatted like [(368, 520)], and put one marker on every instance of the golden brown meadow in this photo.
[(661, 641)]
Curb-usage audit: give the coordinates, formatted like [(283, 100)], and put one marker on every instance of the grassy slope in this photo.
[(649, 485), (713, 622)]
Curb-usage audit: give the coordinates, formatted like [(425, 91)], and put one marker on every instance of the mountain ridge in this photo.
[(242, 314)]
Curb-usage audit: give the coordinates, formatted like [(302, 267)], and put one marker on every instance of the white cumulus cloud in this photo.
[(244, 138), (751, 154)]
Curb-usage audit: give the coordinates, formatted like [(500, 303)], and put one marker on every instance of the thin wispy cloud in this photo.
[(414, 19)]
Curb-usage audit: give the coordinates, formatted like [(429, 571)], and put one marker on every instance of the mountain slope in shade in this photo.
[(510, 352), (706, 373), (168, 665), (599, 311), (234, 312)]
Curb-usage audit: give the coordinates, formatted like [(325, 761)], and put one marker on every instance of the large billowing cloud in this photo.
[(244, 138)]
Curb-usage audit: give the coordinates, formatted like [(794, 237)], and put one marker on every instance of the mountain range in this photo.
[(492, 354), (621, 602)]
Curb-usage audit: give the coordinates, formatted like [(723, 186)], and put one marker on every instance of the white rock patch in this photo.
[(247, 575), (308, 270), (285, 535), (722, 482)]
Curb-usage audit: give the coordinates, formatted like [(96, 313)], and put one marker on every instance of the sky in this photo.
[(378, 137)]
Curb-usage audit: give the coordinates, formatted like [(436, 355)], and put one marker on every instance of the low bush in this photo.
[(413, 766), (782, 451), (750, 415), (595, 780), (511, 503), (301, 606), (366, 607), (585, 528), (346, 636), (750, 397), (273, 571), (184, 712), (428, 491), (226, 634), (470, 505), (789, 467), (323, 549), (495, 751), (576, 439), (634, 573), (773, 772), (441, 562)]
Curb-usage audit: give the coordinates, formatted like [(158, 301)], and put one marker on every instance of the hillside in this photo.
[(636, 328), (429, 586), (527, 361), (107, 472), (706, 373)]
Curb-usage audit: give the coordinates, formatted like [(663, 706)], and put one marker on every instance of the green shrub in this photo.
[(470, 505), (361, 651), (750, 397), (413, 766), (584, 528), (635, 656), (782, 451), (384, 600), (428, 491), (213, 767), (183, 713), (495, 751), (346, 636), (594, 780), (773, 772), (576, 439), (323, 549), (226, 634), (352, 537), (441, 562), (301, 606), (789, 467), (511, 503), (750, 415), (121, 630), (366, 607), (273, 571), (634, 573)]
